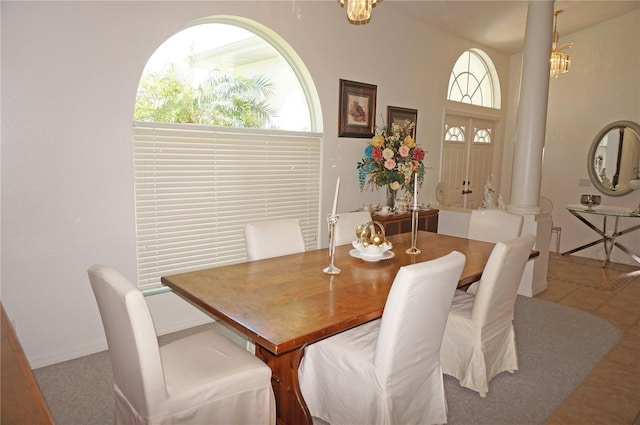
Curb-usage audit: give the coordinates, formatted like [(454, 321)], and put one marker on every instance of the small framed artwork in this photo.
[(398, 115), (357, 109)]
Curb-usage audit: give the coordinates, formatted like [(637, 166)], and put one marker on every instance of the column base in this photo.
[(534, 278)]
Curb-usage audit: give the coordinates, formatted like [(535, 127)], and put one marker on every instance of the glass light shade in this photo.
[(560, 64), (358, 11)]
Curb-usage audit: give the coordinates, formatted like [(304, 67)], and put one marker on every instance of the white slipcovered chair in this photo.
[(347, 225), (494, 225), (274, 238), (203, 378), (479, 339), (387, 371)]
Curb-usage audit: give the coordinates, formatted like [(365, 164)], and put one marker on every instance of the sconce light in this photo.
[(560, 62), (358, 11)]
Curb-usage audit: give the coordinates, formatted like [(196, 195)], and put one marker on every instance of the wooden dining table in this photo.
[(285, 303)]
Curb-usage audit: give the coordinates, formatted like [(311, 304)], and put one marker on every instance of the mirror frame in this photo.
[(595, 179)]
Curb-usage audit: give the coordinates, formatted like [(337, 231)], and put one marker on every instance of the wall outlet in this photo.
[(584, 182)]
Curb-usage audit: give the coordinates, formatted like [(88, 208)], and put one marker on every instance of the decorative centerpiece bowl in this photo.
[(590, 200), (371, 241), (372, 251)]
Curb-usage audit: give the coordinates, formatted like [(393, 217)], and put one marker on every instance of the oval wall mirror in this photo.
[(614, 158)]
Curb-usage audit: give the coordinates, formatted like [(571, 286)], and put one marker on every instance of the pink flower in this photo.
[(389, 164), (418, 154), (404, 151), (376, 155)]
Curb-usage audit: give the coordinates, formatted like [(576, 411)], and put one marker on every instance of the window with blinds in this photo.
[(196, 187)]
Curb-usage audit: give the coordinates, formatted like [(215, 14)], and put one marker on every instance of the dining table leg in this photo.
[(290, 406)]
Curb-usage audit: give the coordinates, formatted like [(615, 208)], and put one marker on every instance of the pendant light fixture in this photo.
[(560, 62), (358, 11)]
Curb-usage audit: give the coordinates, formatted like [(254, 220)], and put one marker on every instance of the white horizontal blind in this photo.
[(196, 186)]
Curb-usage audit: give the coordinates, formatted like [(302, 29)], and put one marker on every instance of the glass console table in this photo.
[(608, 239)]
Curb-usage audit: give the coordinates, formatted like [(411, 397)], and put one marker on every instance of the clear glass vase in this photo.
[(391, 197)]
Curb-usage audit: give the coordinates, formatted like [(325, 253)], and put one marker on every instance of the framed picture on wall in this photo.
[(398, 115), (357, 109)]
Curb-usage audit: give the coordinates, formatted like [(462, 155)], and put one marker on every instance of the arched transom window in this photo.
[(474, 80)]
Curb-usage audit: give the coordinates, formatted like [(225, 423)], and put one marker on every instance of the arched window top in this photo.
[(228, 71), (474, 80)]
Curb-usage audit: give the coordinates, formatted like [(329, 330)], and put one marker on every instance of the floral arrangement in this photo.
[(391, 159)]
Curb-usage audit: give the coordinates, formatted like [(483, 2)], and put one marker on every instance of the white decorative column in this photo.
[(529, 141), (532, 111)]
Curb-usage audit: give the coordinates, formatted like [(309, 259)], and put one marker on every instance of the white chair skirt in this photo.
[(346, 362), (472, 354), (243, 395)]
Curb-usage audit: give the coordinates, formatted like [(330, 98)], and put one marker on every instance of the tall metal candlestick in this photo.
[(414, 231), (332, 219)]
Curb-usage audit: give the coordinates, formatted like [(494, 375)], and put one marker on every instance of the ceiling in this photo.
[(501, 24)]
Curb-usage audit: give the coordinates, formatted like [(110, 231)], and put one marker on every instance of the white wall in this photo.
[(69, 76), (603, 86)]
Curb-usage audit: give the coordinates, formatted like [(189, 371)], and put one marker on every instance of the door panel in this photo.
[(479, 170), (454, 162), (454, 157)]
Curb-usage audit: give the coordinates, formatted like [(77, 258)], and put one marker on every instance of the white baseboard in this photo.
[(175, 327), (63, 356)]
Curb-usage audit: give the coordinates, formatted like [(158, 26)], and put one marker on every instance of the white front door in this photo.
[(467, 158)]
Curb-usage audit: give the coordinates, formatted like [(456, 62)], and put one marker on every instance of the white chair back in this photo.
[(494, 225), (274, 238), (347, 225), (131, 337), (407, 353), (498, 287)]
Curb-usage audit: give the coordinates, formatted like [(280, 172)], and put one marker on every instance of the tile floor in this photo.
[(610, 395)]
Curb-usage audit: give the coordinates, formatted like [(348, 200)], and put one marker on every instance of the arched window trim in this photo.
[(495, 80), (289, 55)]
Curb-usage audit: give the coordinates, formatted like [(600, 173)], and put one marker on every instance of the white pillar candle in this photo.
[(335, 198), (415, 191)]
